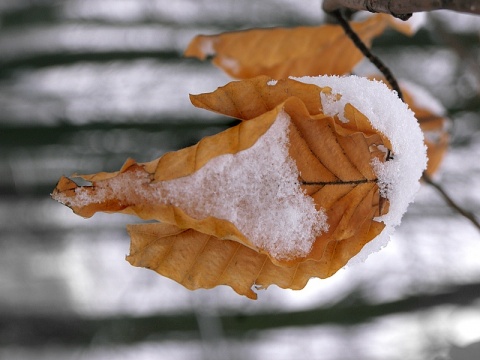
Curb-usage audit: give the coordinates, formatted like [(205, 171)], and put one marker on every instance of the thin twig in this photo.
[(367, 53), (450, 201)]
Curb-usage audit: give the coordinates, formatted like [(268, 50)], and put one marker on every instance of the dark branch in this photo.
[(367, 53), (451, 202), (400, 8)]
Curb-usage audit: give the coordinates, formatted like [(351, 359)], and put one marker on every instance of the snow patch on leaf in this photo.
[(332, 107), (257, 190)]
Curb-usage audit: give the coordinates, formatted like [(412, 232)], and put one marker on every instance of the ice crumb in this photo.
[(398, 178), (331, 106), (129, 187), (256, 189), (272, 82)]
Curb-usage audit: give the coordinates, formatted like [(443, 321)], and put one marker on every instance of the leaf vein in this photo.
[(195, 260), (228, 263), (338, 182)]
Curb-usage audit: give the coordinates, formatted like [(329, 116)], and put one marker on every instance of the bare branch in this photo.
[(403, 8), (451, 202)]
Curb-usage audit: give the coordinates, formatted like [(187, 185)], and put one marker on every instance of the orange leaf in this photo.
[(282, 52), (286, 195)]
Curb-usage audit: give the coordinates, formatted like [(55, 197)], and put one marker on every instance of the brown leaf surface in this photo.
[(283, 52), (333, 158), (200, 261)]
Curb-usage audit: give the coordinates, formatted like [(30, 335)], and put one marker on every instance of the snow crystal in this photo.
[(256, 189), (398, 178)]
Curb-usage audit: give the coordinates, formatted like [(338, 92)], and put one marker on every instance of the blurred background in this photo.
[(85, 84)]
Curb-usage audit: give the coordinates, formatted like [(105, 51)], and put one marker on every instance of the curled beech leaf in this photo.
[(292, 192), (283, 52)]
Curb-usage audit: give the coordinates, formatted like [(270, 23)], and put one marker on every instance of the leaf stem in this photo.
[(366, 52)]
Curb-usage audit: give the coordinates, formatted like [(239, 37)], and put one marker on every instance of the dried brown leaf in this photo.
[(283, 52), (335, 162)]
